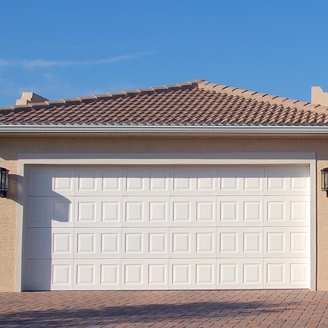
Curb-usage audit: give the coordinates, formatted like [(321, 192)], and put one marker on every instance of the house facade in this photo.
[(188, 186)]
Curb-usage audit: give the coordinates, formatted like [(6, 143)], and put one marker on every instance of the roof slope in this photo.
[(192, 103)]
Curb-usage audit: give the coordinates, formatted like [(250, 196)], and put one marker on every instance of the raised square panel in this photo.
[(61, 274), (87, 179), (204, 273), (299, 211), (229, 211), (204, 242), (275, 242), (252, 211), (275, 273), (181, 273), (252, 242), (298, 242), (85, 243), (62, 211), (157, 274), (110, 243), (228, 242), (40, 181), (110, 212), (157, 242), (276, 211), (276, 182), (181, 179), (158, 180), (181, 211), (133, 243), (135, 180), (38, 275), (205, 211), (61, 243), (85, 274), (109, 274), (298, 272), (228, 274), (299, 183), (206, 179), (252, 273), (157, 211), (133, 274), (111, 180), (252, 183), (49, 211), (181, 242), (134, 211), (39, 245), (86, 212), (63, 180), (229, 183)]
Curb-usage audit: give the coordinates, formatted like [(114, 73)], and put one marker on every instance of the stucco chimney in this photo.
[(30, 97), (318, 96)]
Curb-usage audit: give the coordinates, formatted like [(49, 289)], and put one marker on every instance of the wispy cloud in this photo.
[(42, 63)]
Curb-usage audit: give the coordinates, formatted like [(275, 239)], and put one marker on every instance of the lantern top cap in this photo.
[(325, 169)]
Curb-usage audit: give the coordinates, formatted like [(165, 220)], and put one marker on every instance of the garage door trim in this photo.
[(26, 160)]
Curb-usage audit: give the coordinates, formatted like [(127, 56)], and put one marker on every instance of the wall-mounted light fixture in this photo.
[(3, 182), (324, 180)]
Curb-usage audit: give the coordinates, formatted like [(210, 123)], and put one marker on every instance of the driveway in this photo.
[(248, 308)]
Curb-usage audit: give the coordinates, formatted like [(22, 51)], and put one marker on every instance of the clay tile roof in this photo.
[(195, 102)]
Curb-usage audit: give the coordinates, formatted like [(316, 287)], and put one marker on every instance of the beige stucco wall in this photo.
[(11, 147)]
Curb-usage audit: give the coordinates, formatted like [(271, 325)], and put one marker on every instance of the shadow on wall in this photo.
[(44, 210)]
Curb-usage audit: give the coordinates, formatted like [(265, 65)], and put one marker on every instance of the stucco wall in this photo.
[(11, 147)]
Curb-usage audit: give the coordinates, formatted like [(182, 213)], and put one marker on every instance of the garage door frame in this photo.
[(28, 159)]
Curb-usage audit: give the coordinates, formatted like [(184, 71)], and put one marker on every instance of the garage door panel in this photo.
[(286, 211), (145, 243), (236, 211), (193, 211), (50, 212), (145, 274), (284, 180), (148, 179), (97, 242), (291, 273), (240, 180), (286, 242), (192, 243), (196, 180), (145, 211), (192, 274), (98, 211), (51, 181), (46, 274), (241, 273), (93, 274), (240, 242)]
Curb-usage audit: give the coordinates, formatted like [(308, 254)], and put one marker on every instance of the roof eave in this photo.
[(159, 130)]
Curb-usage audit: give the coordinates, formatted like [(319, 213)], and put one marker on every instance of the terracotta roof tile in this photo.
[(192, 103)]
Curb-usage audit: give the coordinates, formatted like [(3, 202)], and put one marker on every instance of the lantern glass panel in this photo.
[(324, 179)]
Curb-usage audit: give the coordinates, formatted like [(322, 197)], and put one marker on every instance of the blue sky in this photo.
[(69, 48)]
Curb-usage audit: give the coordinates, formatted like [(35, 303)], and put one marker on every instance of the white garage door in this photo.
[(167, 227)]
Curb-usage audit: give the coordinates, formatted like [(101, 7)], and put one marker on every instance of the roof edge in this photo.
[(161, 130), (286, 102)]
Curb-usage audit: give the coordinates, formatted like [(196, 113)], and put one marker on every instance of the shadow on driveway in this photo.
[(139, 314)]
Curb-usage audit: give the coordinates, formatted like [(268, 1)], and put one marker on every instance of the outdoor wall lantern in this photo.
[(3, 182), (324, 180)]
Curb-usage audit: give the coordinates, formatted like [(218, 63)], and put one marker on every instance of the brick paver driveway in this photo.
[(284, 308)]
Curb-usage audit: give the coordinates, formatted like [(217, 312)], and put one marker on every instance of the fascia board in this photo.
[(160, 130)]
